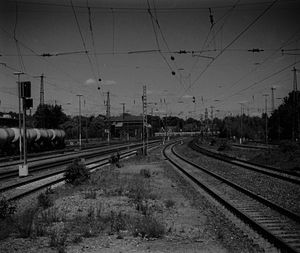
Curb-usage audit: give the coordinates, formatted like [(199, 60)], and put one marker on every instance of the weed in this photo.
[(44, 200), (76, 173), (7, 208), (118, 221), (90, 194), (25, 222), (169, 203), (58, 239), (145, 173), (77, 239), (148, 227), (6, 227), (51, 215)]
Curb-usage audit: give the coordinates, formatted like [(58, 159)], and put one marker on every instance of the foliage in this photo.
[(76, 173), (7, 208), (148, 227), (49, 116), (145, 173), (44, 200), (25, 222), (288, 146), (284, 122), (58, 239), (169, 203)]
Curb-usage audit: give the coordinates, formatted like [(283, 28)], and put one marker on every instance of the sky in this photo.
[(179, 49)]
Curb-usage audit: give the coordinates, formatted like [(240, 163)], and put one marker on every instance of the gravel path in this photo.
[(193, 224), (283, 193)]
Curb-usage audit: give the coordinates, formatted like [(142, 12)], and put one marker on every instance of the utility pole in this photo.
[(212, 118), (42, 93), (266, 115), (108, 117), (273, 101), (242, 112), (123, 118), (79, 101), (19, 97), (145, 125)]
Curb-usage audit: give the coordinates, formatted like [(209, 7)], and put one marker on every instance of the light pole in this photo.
[(19, 98), (79, 101)]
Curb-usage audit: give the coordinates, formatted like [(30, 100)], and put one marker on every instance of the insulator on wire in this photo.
[(211, 17), (173, 73)]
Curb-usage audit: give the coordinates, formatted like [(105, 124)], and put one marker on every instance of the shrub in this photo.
[(224, 147), (169, 203), (51, 215), (145, 173), (148, 227), (6, 228), (25, 222), (7, 208), (58, 239), (76, 173), (118, 221), (90, 194), (288, 146), (44, 200)]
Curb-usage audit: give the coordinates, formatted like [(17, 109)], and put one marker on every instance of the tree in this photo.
[(49, 116), (285, 120)]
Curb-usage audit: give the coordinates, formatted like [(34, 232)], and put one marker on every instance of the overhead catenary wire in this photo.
[(161, 9), (232, 42), (82, 40), (94, 45), (286, 43), (39, 55), (226, 16), (21, 62)]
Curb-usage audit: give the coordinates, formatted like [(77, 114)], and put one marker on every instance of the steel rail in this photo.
[(89, 154), (263, 231), (284, 175), (53, 182)]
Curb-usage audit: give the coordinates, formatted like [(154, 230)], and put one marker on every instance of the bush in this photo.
[(148, 227), (169, 203), (288, 146), (224, 147), (76, 173), (25, 222), (90, 194), (7, 208), (58, 239), (145, 173), (44, 200)]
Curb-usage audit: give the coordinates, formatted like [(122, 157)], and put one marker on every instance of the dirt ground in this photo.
[(187, 228)]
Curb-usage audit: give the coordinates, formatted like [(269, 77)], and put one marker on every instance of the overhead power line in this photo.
[(83, 41), (231, 43), (161, 9)]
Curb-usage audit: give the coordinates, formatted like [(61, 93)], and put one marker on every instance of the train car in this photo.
[(37, 140)]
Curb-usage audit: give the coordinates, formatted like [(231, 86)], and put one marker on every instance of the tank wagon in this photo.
[(37, 139)]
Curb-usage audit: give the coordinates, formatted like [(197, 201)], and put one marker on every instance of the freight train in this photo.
[(37, 140)]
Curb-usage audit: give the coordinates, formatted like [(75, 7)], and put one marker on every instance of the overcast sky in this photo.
[(129, 46)]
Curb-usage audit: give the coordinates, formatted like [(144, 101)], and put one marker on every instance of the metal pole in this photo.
[(79, 100), (24, 131), (20, 125)]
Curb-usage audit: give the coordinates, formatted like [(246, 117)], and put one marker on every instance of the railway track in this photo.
[(30, 185), (39, 164), (276, 224), (289, 176)]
